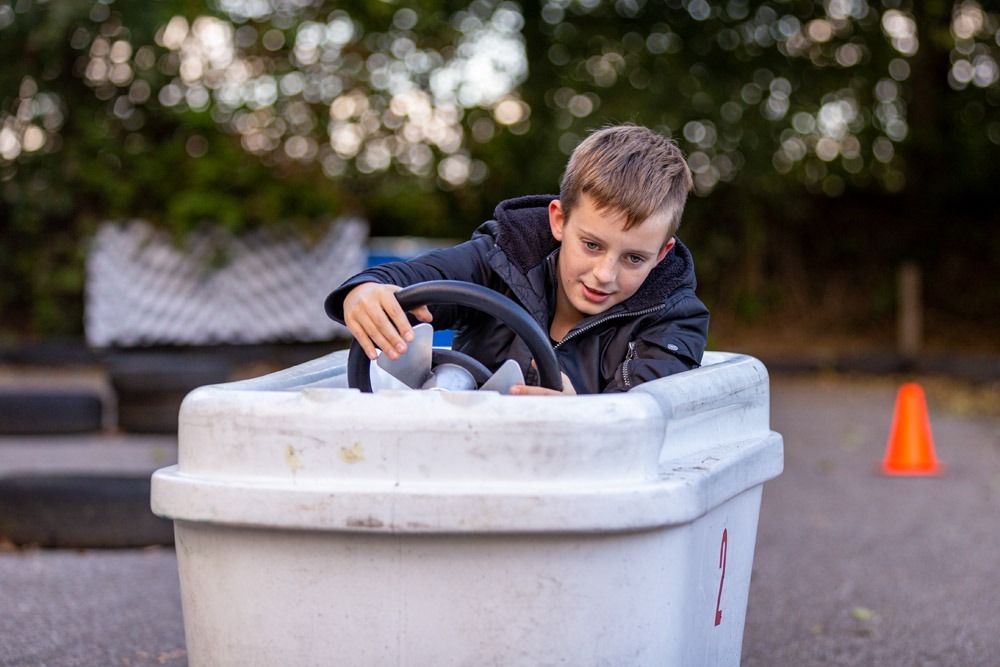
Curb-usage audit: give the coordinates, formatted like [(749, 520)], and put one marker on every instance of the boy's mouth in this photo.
[(594, 295)]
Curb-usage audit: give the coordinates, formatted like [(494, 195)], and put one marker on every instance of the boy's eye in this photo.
[(634, 259), (590, 245)]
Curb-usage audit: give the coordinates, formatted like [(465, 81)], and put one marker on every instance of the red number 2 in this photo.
[(722, 565)]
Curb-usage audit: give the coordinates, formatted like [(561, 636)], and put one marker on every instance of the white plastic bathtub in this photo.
[(316, 525)]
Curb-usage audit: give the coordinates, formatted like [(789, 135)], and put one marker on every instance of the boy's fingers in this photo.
[(423, 313), (369, 332), (363, 340), (368, 335), (379, 317), (389, 349), (399, 322), (383, 333), (529, 390), (376, 319)]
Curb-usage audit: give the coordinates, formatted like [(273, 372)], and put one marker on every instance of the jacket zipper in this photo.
[(628, 357), (573, 334)]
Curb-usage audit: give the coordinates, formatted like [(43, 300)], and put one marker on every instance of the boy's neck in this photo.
[(565, 317), (561, 325)]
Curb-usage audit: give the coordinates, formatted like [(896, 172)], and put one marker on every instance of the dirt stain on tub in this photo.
[(292, 459), (353, 454), (364, 522)]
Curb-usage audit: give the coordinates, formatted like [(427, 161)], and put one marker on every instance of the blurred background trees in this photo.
[(831, 140)]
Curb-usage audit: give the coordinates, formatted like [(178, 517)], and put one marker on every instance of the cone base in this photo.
[(936, 470)]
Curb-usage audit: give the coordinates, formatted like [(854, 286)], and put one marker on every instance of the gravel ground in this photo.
[(65, 608)]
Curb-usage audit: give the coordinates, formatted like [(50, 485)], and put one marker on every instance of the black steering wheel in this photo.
[(472, 296)]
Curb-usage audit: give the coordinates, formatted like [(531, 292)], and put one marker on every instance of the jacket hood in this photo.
[(522, 230)]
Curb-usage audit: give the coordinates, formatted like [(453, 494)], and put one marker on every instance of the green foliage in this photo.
[(177, 170), (829, 140)]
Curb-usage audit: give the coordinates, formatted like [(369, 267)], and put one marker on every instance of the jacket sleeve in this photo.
[(675, 342), (466, 262)]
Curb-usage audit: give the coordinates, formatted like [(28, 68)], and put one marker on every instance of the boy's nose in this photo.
[(605, 270)]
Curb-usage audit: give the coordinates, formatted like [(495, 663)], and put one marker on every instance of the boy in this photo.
[(599, 268)]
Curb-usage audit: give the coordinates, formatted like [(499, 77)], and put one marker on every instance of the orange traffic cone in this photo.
[(910, 450)]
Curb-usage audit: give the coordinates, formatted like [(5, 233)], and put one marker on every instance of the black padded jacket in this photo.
[(658, 331)]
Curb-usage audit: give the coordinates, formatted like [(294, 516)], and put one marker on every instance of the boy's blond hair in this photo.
[(630, 169)]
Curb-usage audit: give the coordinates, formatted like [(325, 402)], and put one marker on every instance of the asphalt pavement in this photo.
[(851, 568), (854, 568)]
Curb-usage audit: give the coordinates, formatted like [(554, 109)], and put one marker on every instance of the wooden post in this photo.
[(909, 310)]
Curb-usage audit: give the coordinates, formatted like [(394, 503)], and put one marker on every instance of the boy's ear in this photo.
[(556, 219), (665, 249)]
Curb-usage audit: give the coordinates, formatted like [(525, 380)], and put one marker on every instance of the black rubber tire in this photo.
[(150, 412), (49, 412), (82, 511), (167, 371), (150, 386)]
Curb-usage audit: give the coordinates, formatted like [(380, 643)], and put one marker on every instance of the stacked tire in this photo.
[(58, 505), (50, 411), (150, 386)]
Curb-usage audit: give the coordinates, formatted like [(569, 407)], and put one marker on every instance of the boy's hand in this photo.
[(376, 319), (528, 390)]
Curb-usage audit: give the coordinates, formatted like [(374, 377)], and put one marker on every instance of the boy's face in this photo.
[(600, 263)]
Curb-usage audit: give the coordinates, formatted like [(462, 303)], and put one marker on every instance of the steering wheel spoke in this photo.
[(412, 368), (506, 377)]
